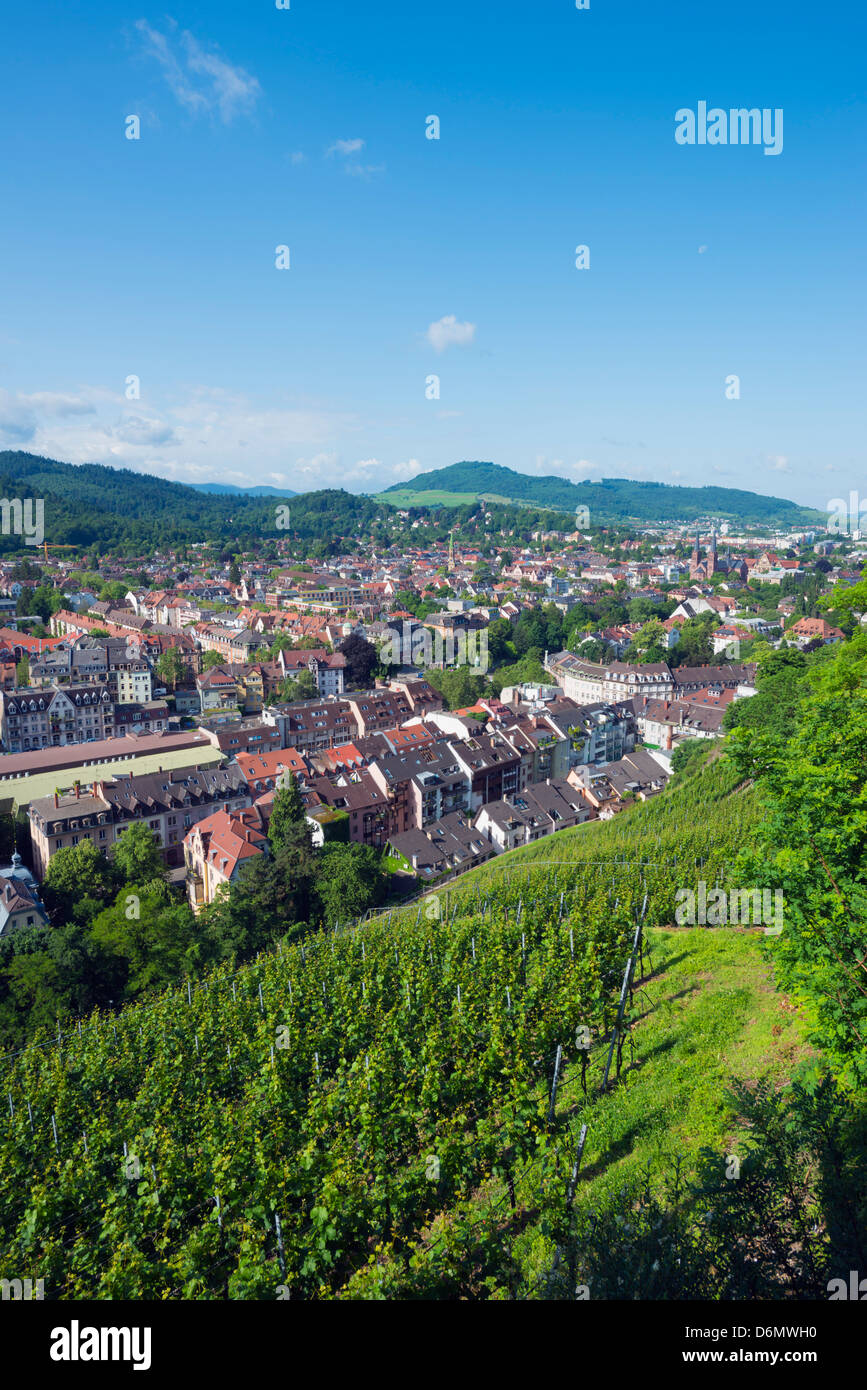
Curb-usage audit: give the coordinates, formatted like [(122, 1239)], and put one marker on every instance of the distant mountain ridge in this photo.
[(227, 490), (609, 500)]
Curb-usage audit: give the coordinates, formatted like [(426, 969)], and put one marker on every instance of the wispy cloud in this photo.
[(448, 332), (345, 147), (201, 79), (779, 463)]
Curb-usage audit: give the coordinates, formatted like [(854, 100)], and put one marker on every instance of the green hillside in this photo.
[(611, 500), (91, 505), (370, 1113)]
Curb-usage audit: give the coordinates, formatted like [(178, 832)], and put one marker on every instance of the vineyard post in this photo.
[(553, 1103), (624, 990), (281, 1253)]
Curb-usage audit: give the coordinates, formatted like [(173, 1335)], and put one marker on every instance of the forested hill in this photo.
[(610, 500), (118, 509)]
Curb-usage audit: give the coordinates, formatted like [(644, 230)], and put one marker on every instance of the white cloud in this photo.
[(202, 434), (701, 250), (402, 471), (779, 463), (316, 467), (135, 429), (345, 147), (56, 403), (201, 79), (448, 332), (297, 157)]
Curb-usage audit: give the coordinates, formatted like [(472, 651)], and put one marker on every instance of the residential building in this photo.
[(32, 718), (218, 848), (170, 803), (525, 816)]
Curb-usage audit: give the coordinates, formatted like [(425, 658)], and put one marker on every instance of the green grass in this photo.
[(708, 1013), (437, 497)]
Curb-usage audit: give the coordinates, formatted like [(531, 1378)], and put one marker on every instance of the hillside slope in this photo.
[(611, 500)]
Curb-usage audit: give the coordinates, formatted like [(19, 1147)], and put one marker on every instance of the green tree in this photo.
[(299, 687), (76, 873), (688, 757), (170, 667), (348, 881), (152, 935), (137, 855), (210, 660), (287, 811), (361, 659), (811, 844), (649, 643), (44, 601)]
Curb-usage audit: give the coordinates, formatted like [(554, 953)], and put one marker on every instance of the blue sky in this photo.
[(305, 127)]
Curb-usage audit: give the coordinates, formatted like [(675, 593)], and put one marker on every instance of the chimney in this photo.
[(226, 807), (56, 801), (77, 790)]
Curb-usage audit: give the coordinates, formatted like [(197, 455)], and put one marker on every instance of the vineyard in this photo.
[(408, 1093)]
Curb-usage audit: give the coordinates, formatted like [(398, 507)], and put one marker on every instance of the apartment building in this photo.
[(34, 718), (377, 710), (149, 718), (243, 736), (312, 725), (589, 682), (231, 644), (111, 662), (367, 805), (265, 772), (491, 765), (424, 785), (448, 846), (602, 733), (170, 803), (526, 816)]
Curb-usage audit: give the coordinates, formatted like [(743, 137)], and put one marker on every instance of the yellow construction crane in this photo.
[(48, 547)]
